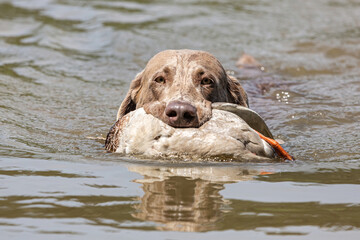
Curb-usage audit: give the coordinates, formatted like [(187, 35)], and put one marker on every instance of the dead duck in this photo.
[(233, 132)]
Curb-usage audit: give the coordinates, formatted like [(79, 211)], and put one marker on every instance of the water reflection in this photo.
[(190, 199), (186, 199), (199, 198)]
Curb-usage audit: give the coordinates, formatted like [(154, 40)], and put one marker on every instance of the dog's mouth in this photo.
[(179, 114)]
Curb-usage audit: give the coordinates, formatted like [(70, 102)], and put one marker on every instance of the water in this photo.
[(66, 65)]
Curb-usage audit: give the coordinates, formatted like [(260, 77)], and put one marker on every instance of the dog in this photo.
[(178, 87)]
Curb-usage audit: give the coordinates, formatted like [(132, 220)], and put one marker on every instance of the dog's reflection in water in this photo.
[(186, 198)]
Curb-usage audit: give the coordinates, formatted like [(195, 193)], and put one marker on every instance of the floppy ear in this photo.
[(129, 103), (236, 93)]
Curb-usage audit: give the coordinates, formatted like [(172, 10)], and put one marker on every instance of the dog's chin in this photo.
[(157, 109)]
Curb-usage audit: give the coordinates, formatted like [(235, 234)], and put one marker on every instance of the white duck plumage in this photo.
[(230, 133)]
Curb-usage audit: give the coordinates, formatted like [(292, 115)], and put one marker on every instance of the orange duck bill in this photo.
[(277, 147)]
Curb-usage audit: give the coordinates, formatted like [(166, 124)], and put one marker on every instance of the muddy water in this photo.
[(66, 65)]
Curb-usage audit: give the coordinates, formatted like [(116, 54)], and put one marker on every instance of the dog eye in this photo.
[(160, 79), (206, 81)]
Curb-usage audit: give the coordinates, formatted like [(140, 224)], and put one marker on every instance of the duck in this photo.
[(234, 133)]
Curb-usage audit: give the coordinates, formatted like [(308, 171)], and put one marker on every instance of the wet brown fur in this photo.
[(182, 71)]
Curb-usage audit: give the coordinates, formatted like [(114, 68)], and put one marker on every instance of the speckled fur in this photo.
[(182, 71)]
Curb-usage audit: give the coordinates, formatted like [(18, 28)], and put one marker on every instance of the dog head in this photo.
[(178, 87)]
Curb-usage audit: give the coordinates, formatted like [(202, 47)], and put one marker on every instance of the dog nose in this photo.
[(181, 114)]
